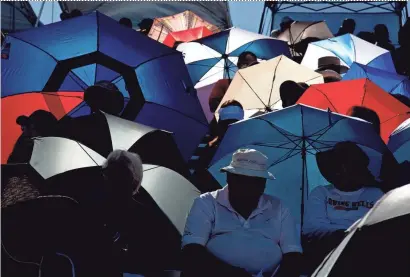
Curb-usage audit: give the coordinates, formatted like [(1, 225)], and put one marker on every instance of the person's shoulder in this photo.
[(208, 196), (276, 202), (373, 191)]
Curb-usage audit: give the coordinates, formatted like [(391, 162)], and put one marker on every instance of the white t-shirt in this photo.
[(329, 209), (255, 244)]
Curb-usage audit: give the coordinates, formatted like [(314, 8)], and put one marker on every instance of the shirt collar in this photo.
[(222, 197)]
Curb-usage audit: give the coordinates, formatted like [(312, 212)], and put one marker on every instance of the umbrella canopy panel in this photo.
[(349, 48), (179, 22), (300, 30), (341, 96), (216, 13), (290, 138), (58, 103), (215, 57), (257, 87), (186, 36), (390, 82), (399, 142)]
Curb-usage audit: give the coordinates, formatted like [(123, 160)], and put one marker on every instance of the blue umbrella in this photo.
[(349, 48), (399, 142), (391, 82), (215, 57), (74, 54), (290, 138)]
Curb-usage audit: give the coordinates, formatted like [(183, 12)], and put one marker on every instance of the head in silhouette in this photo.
[(104, 96), (403, 99), (345, 166), (366, 114), (367, 36), (64, 16), (285, 23), (290, 92), (381, 33), (126, 22), (145, 25), (76, 13), (348, 27), (247, 59), (39, 123)]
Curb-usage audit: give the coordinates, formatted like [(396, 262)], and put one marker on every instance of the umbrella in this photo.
[(186, 35), (162, 95), (300, 30), (104, 133), (349, 48), (290, 138), (165, 200), (390, 82), (341, 96), (215, 57), (178, 22), (399, 142), (257, 87), (383, 233), (58, 103)]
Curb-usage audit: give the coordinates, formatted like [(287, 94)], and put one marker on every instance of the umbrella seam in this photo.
[(273, 80), (331, 51), (35, 46), (253, 90), (324, 94), (396, 86)]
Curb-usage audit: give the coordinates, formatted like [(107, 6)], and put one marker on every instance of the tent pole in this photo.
[(14, 17), (39, 14)]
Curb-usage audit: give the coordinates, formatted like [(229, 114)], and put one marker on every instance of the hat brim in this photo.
[(248, 172), (329, 164), (22, 120), (341, 69)]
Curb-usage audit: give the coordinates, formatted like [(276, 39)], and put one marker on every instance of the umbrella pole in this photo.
[(302, 205)]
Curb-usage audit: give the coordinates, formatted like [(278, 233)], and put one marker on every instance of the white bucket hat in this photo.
[(249, 162)]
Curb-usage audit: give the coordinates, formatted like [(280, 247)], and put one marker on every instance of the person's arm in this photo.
[(316, 221), (290, 246), (196, 259)]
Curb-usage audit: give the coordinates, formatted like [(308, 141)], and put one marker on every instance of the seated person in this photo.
[(391, 173), (332, 209), (39, 124), (238, 230), (290, 92)]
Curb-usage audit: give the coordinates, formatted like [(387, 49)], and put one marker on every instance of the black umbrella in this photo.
[(104, 133), (162, 206), (378, 244)]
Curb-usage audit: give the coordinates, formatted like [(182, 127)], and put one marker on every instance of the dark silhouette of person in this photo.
[(382, 37), (247, 59), (75, 13), (125, 21), (367, 36), (39, 124), (64, 16), (402, 54), (145, 25), (290, 92), (391, 172), (348, 27)]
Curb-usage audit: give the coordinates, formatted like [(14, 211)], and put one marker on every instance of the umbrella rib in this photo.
[(396, 86), (276, 128), (327, 99), (253, 90), (35, 46), (283, 158), (273, 80), (79, 144), (304, 30), (313, 78)]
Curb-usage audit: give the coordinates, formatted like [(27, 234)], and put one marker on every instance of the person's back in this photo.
[(381, 34)]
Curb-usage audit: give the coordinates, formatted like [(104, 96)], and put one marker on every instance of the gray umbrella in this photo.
[(376, 245)]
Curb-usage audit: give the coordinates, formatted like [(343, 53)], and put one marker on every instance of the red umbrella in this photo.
[(58, 103), (187, 35), (341, 96)]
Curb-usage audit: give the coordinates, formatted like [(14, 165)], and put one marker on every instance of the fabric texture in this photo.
[(329, 209), (254, 244)]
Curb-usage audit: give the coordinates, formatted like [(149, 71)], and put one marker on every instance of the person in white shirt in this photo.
[(332, 209), (238, 230)]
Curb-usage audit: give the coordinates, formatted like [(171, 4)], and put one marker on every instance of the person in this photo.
[(125, 21), (104, 96), (284, 25), (367, 36), (75, 13), (40, 123), (238, 230), (290, 92), (145, 25), (247, 59), (331, 69), (392, 174), (348, 27), (64, 16), (402, 54), (381, 34), (331, 210)]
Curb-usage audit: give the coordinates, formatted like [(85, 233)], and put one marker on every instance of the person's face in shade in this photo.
[(245, 191), (247, 61)]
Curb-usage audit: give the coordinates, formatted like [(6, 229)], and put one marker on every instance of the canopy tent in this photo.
[(216, 13), (365, 13), (16, 16)]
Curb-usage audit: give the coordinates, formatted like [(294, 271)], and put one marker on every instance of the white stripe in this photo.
[(239, 37), (194, 51)]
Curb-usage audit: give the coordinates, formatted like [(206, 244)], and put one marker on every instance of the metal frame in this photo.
[(23, 7), (274, 7)]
